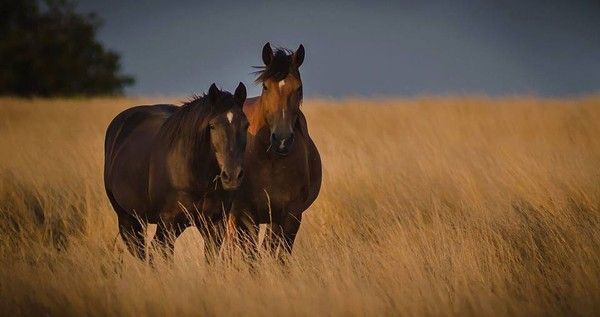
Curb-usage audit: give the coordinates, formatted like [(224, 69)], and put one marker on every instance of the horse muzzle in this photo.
[(282, 143), (232, 179)]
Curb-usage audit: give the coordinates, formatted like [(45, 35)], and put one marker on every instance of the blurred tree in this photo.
[(47, 49)]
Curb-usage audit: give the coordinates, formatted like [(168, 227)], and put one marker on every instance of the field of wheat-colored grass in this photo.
[(429, 206)]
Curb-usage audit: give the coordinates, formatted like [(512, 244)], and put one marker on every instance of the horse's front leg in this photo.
[(167, 231), (290, 227), (213, 233), (173, 221), (242, 231), (281, 234)]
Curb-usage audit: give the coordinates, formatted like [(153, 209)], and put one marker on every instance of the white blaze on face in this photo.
[(282, 146), (230, 117), (281, 84)]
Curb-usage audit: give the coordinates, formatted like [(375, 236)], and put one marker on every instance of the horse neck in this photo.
[(202, 157), (196, 154), (256, 113)]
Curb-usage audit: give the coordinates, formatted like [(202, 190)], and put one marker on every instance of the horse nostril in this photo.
[(224, 176), (240, 174)]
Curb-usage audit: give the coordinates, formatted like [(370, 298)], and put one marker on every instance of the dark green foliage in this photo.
[(47, 49)]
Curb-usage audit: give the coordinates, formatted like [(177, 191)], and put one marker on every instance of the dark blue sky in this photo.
[(360, 48)]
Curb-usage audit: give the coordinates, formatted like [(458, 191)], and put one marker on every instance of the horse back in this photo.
[(128, 120)]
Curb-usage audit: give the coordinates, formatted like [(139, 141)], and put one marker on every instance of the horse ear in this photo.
[(267, 54), (240, 94), (213, 92), (298, 57)]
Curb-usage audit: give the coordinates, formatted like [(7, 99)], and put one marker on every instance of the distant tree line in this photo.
[(48, 49)]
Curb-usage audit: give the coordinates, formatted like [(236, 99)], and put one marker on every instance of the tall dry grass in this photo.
[(430, 206)]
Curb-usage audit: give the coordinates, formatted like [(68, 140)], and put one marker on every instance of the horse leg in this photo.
[(173, 221), (213, 232), (282, 234), (273, 237), (167, 231), (248, 234), (243, 230), (290, 227), (131, 230)]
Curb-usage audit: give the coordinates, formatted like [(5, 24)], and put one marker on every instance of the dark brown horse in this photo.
[(282, 164), (163, 163)]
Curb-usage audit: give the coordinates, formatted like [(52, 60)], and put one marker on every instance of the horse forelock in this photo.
[(279, 68)]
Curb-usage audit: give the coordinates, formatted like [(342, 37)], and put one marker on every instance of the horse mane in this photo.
[(189, 122), (278, 69)]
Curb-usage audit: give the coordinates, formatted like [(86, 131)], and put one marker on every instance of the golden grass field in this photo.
[(429, 206)]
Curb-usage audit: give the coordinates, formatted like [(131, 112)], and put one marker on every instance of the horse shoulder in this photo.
[(168, 171)]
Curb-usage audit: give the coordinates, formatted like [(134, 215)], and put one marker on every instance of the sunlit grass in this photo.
[(429, 206)]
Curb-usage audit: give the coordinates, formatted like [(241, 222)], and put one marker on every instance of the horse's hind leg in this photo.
[(131, 230)]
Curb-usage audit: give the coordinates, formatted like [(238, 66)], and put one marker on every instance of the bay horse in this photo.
[(175, 167), (282, 164)]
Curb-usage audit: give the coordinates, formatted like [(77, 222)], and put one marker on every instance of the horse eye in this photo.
[(212, 127), (264, 86)]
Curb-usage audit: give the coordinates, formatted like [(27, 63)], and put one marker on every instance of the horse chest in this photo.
[(281, 184)]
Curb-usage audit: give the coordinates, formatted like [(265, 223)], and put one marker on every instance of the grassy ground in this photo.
[(429, 206)]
